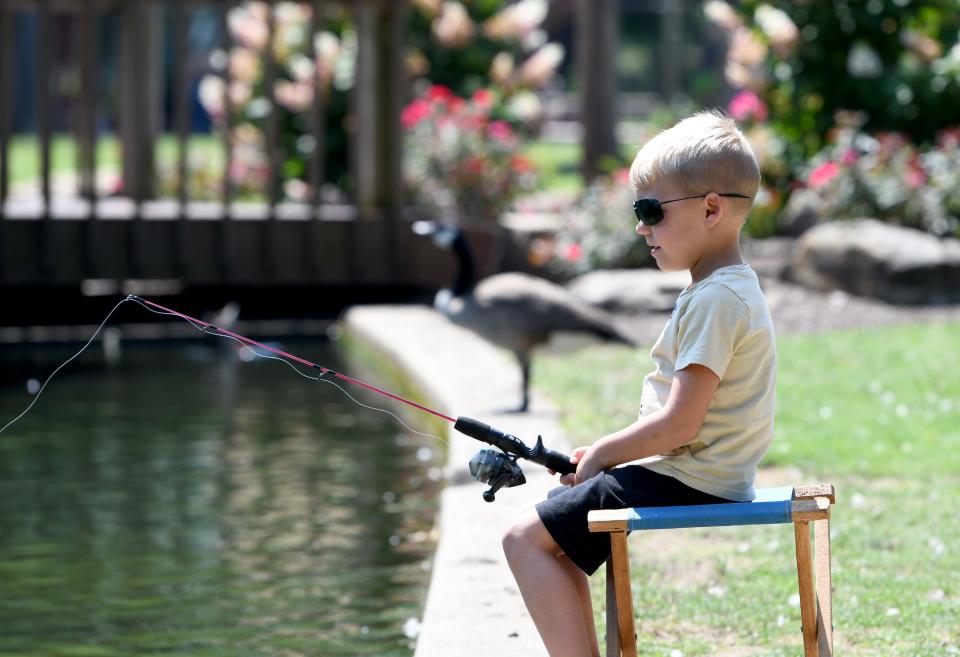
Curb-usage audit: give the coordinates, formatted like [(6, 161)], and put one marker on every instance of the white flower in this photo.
[(778, 27), (501, 68), (453, 27), (211, 94), (248, 25), (863, 61), (517, 20), (722, 14), (541, 65), (244, 65)]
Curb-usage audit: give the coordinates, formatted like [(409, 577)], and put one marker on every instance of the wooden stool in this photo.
[(801, 505)]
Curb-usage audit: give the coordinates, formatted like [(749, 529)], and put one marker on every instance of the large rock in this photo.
[(801, 213), (870, 258), (630, 291)]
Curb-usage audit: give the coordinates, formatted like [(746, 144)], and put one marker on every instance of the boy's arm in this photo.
[(674, 425)]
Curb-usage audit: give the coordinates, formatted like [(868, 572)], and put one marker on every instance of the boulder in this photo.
[(801, 213), (869, 258), (630, 291)]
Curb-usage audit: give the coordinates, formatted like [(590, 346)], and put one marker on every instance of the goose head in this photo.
[(450, 238)]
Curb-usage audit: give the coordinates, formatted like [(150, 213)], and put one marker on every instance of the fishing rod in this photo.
[(498, 469)]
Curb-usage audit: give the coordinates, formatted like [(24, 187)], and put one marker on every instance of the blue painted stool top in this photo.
[(771, 506)]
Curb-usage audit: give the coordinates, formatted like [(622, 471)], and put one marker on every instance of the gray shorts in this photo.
[(564, 512)]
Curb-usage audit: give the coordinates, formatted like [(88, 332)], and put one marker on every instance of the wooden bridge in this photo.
[(91, 240)]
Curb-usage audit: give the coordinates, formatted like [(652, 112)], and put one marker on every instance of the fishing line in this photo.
[(498, 469), (283, 357), (64, 364), (320, 377)]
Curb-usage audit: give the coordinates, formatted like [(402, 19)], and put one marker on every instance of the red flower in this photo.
[(520, 164), (439, 94), (823, 174), (475, 165), (455, 104), (573, 252), (414, 113), (482, 98)]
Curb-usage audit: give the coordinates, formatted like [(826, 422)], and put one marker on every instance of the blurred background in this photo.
[(261, 164), (223, 149)]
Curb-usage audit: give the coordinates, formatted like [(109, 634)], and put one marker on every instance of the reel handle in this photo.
[(512, 445)]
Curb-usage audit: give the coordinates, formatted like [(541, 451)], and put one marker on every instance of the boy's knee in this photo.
[(512, 541), (525, 534)]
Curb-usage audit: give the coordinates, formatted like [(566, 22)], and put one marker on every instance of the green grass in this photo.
[(25, 154), (558, 163), (876, 412)]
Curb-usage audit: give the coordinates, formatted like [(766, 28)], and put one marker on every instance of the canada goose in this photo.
[(513, 310)]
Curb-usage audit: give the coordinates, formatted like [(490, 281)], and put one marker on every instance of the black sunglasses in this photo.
[(649, 212)]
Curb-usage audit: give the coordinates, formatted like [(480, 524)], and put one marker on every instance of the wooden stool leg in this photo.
[(824, 577), (624, 599), (808, 611), (613, 627)]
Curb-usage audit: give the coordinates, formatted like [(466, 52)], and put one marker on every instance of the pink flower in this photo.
[(573, 252), (849, 157), (823, 174), (747, 105), (501, 131), (915, 176), (415, 112), (482, 98)]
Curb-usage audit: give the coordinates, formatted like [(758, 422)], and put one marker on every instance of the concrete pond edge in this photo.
[(473, 606)]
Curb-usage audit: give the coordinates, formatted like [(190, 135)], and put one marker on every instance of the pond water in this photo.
[(186, 502)]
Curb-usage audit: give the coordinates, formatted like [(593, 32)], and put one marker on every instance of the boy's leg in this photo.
[(555, 591)]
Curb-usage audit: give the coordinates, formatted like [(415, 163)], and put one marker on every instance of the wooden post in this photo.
[(671, 49), (808, 612), (621, 575), (613, 625), (139, 77), (596, 45), (376, 158), (823, 569), (6, 106), (87, 123)]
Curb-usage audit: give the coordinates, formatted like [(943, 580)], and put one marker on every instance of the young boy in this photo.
[(706, 412)]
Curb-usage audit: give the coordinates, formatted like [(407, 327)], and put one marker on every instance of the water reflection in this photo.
[(187, 502)]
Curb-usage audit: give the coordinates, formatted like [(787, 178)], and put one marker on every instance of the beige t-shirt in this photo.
[(722, 323)]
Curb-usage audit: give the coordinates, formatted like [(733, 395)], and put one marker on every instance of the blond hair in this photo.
[(705, 152)]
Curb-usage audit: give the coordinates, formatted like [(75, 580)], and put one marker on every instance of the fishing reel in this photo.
[(499, 468), (496, 468)]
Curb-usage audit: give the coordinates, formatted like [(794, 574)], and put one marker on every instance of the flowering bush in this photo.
[(597, 232), (886, 177), (461, 162), (899, 63), (470, 45), (307, 64), (473, 45)]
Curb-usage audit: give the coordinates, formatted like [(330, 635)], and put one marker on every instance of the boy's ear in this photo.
[(712, 209)]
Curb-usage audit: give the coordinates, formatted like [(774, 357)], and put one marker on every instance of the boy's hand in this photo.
[(588, 465), (567, 479)]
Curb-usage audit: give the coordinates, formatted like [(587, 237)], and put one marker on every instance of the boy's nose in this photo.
[(643, 229)]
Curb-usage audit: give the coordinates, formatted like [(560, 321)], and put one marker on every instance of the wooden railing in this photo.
[(40, 239)]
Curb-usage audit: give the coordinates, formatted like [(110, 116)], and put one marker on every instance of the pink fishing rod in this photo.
[(498, 469), (297, 359)]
